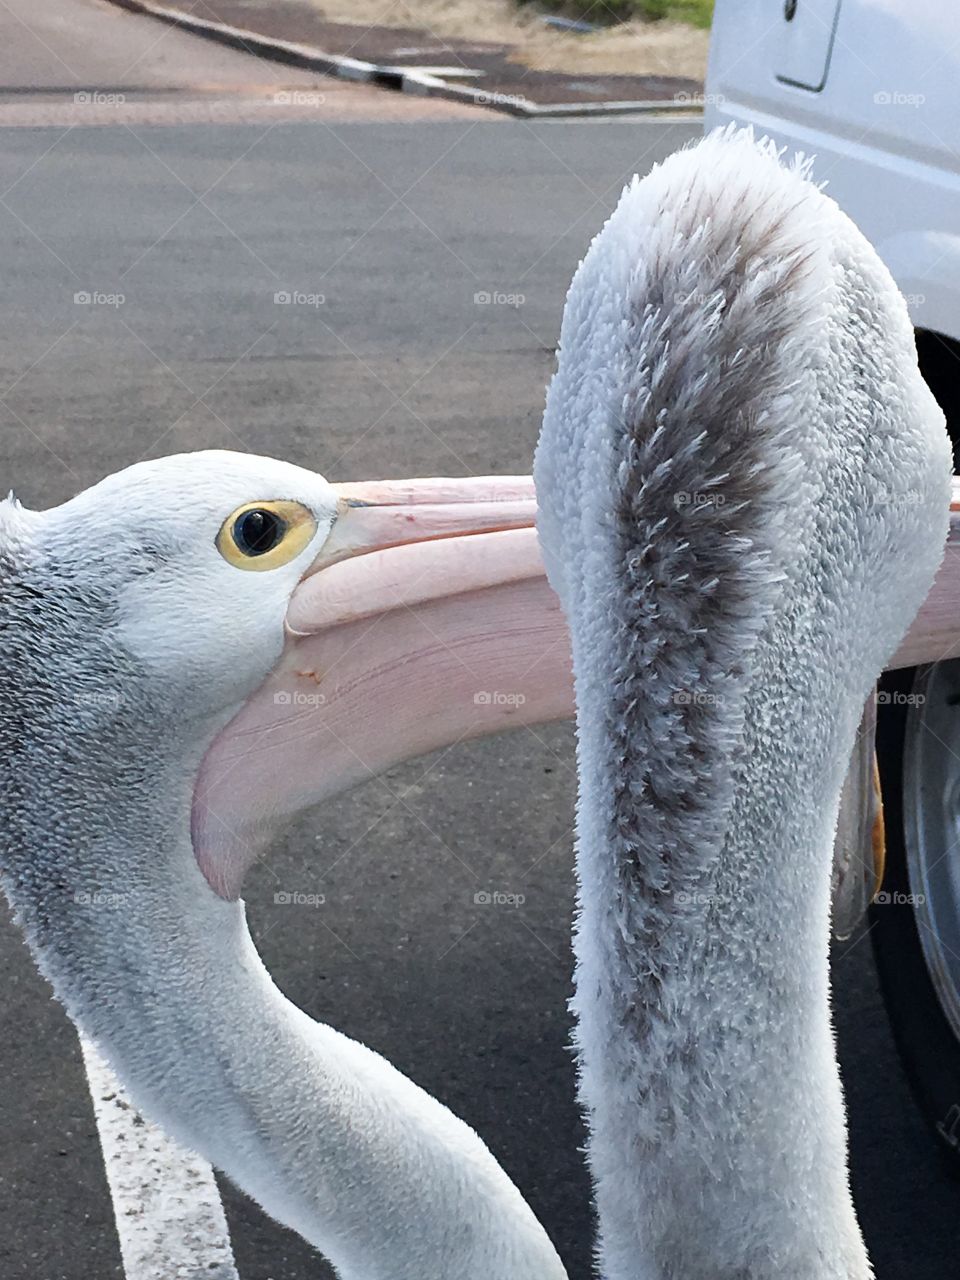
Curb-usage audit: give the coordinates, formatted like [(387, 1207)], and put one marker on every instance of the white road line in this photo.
[(170, 1218)]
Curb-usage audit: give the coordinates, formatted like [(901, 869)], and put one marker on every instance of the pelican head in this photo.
[(178, 572)]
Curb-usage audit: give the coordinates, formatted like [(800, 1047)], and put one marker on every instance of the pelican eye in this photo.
[(258, 531), (265, 535)]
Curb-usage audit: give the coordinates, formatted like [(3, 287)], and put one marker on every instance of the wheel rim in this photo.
[(931, 824)]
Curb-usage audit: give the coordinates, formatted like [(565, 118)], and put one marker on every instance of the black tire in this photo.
[(928, 1047)]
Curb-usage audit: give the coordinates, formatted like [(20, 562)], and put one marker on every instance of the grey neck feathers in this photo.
[(96, 778), (709, 498)]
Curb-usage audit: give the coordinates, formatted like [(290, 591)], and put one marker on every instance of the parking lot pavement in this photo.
[(369, 300)]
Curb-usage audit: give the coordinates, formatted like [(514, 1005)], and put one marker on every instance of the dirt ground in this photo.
[(633, 48)]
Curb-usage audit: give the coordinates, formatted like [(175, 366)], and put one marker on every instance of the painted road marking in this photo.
[(169, 1214)]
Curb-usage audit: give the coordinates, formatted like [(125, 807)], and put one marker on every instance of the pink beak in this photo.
[(426, 620)]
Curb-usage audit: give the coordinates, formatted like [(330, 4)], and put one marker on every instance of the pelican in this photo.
[(744, 487), (199, 646), (137, 618)]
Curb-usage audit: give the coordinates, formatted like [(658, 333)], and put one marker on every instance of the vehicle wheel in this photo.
[(916, 916)]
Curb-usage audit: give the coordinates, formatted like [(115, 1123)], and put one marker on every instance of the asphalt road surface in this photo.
[(424, 265)]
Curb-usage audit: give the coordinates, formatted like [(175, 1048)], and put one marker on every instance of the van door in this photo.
[(806, 37)]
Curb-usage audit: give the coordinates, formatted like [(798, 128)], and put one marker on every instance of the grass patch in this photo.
[(698, 13)]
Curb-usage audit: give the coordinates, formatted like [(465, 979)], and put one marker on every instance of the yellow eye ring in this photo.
[(260, 536)]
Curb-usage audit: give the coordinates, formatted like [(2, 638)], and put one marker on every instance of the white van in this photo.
[(871, 89)]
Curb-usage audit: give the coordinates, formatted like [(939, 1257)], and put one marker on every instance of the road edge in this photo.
[(399, 79)]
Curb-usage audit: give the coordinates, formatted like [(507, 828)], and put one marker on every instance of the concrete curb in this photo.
[(399, 79)]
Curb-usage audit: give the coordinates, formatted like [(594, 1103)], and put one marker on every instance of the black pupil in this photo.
[(257, 532)]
